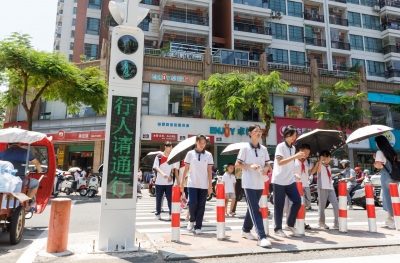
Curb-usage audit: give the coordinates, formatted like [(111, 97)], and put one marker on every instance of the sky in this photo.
[(34, 17)]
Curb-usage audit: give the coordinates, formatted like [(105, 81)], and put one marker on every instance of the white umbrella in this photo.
[(18, 135), (179, 152), (319, 140), (234, 148), (149, 158), (367, 132), (74, 169)]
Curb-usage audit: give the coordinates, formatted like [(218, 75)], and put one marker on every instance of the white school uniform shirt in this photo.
[(283, 174), (303, 174), (380, 157), (229, 180), (165, 167), (325, 182), (248, 155), (198, 169)]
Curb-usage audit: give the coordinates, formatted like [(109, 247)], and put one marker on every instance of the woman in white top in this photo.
[(382, 163)]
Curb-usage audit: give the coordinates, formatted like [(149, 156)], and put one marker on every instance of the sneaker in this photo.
[(287, 228), (248, 235), (231, 214), (336, 225), (392, 226), (323, 225), (158, 217), (190, 226), (389, 222), (350, 207), (263, 243), (294, 231), (198, 231), (280, 233)]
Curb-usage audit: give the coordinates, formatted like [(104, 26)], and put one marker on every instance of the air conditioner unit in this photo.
[(335, 10), (376, 8), (279, 15), (273, 14), (267, 24), (316, 30), (154, 15)]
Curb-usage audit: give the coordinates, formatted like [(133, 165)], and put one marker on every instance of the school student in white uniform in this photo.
[(284, 182), (198, 163), (253, 160), (229, 180)]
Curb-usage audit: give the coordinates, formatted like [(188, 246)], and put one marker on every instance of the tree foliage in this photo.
[(396, 108), (340, 106), (33, 74), (229, 95)]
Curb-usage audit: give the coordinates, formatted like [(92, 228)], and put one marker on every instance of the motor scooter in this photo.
[(71, 186), (93, 186), (57, 184)]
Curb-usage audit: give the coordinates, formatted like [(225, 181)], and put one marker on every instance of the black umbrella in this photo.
[(320, 140), (149, 158), (179, 152)]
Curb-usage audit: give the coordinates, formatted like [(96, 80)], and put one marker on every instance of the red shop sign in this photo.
[(20, 124), (302, 125), (164, 137), (78, 136)]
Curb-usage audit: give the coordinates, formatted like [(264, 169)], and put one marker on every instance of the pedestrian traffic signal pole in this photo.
[(300, 215), (57, 238), (342, 207), (370, 205), (220, 211), (394, 193), (264, 207), (176, 214)]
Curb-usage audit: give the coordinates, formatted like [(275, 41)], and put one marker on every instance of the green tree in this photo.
[(340, 107), (228, 95), (396, 108), (33, 74)]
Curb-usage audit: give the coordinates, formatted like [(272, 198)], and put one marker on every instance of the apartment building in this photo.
[(81, 27)]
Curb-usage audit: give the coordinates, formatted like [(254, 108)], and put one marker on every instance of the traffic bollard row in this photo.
[(176, 214), (300, 215), (370, 205), (394, 193), (342, 207), (220, 211)]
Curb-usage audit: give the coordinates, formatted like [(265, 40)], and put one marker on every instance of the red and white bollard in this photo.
[(370, 203), (176, 214), (342, 207), (394, 193), (220, 211), (300, 215), (264, 207)]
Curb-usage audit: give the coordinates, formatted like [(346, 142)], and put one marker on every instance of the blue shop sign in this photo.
[(383, 98), (173, 124), (393, 138)]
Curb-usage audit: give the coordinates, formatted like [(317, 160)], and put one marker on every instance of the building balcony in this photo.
[(255, 3), (254, 32), (393, 73), (369, 3), (318, 42), (192, 22), (340, 45), (150, 2), (389, 3), (338, 21), (391, 49), (313, 17)]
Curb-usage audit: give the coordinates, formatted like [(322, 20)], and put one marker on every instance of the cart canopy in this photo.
[(23, 136)]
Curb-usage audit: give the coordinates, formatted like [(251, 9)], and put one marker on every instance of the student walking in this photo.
[(253, 160), (326, 191), (229, 181), (284, 182), (198, 163), (238, 188)]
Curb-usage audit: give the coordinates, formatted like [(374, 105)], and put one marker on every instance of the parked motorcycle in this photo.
[(70, 186), (57, 184), (93, 185)]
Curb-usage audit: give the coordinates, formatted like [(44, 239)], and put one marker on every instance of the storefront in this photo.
[(294, 104), (380, 104)]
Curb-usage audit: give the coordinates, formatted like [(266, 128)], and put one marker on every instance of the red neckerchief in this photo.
[(328, 172), (303, 167)]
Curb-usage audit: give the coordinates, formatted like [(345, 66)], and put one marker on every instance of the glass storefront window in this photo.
[(380, 114), (290, 106)]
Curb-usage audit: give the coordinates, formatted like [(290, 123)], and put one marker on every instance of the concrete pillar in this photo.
[(263, 65), (98, 157), (314, 80), (207, 71), (363, 88)]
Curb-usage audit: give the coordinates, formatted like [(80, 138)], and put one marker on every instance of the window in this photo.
[(356, 42), (296, 34), (70, 58), (297, 58), (295, 9), (370, 3), (278, 5), (373, 44), (95, 4), (371, 22), (91, 51), (290, 106), (380, 114), (92, 26), (71, 46), (361, 62), (74, 12), (278, 56), (353, 2), (376, 68), (72, 33), (144, 25), (73, 21), (279, 31), (354, 19)]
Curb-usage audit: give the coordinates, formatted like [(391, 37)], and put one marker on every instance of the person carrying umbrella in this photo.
[(198, 163), (253, 159), (164, 179)]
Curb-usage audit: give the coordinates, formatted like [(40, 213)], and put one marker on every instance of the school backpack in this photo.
[(395, 174)]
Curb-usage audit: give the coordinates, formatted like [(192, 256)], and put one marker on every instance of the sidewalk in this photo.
[(206, 245)]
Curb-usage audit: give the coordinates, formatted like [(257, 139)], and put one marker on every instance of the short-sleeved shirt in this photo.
[(161, 162), (15, 153), (283, 174), (248, 155), (350, 173), (229, 180), (198, 169), (380, 157), (302, 172), (323, 179)]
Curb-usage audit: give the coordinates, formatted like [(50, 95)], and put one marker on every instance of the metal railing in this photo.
[(340, 45), (315, 41), (391, 3), (257, 3), (393, 73), (336, 73), (313, 17), (378, 74), (174, 54), (287, 67), (375, 50), (391, 48), (390, 25), (340, 1), (150, 2), (184, 17), (252, 28), (338, 21)]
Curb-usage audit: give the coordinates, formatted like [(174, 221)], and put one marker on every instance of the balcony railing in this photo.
[(340, 1), (287, 67), (322, 66), (391, 48), (393, 73), (150, 2), (370, 3), (315, 41), (378, 74), (389, 3), (184, 17), (338, 21), (336, 73), (257, 3), (252, 28), (340, 45), (313, 17), (390, 25)]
